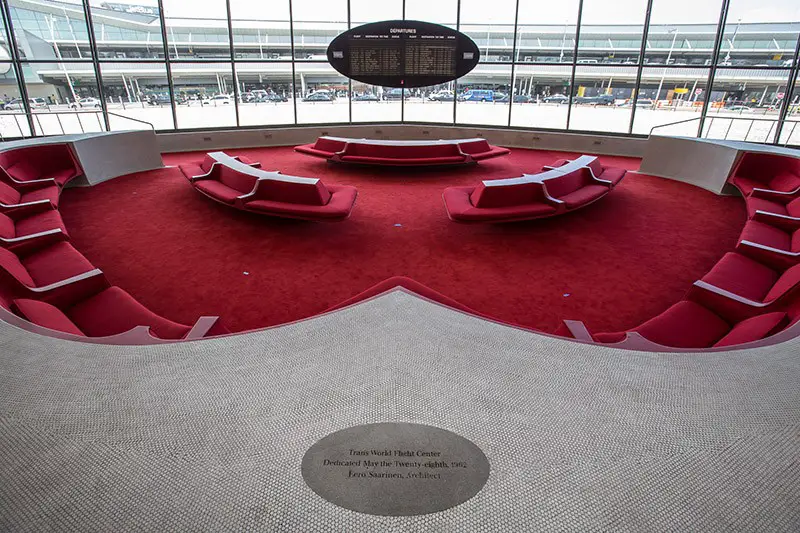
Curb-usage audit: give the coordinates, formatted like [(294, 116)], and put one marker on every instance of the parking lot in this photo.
[(756, 125)]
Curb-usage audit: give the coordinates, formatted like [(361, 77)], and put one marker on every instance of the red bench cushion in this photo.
[(784, 181), (390, 151), (759, 204), (743, 276), (584, 195), (46, 315), (292, 193), (753, 329), (114, 311), (56, 262), (685, 325), (475, 147), (787, 281), (506, 195), (566, 183), (614, 175), (45, 193), (421, 161), (329, 145), (8, 194), (40, 162), (338, 206), (217, 190), (10, 263), (793, 208), (460, 208), (8, 228), (767, 235)]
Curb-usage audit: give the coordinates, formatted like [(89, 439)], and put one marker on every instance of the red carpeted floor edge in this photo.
[(613, 265)]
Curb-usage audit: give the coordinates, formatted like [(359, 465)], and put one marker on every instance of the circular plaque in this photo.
[(395, 469)]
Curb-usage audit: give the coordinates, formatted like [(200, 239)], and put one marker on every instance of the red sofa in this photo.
[(30, 230), (272, 193), (766, 171), (110, 311), (41, 162), (400, 153), (189, 170), (770, 244), (739, 287), (611, 174), (550, 193), (688, 324), (773, 208), (13, 197), (324, 147), (480, 149), (576, 189), (508, 203)]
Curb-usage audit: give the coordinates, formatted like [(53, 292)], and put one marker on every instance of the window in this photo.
[(139, 91), (197, 30), (265, 93)]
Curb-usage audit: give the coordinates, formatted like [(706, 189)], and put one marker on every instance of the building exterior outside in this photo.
[(170, 64)]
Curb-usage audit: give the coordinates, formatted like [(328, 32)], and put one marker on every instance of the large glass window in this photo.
[(265, 93), (124, 31), (322, 94), (261, 30), (240, 63), (197, 30), (668, 96), (55, 30), (760, 33), (204, 95), (596, 98), (137, 96), (611, 32)]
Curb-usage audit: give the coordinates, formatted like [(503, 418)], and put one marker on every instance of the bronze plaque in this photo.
[(395, 469)]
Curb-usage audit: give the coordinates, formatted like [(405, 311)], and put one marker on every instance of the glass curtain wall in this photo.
[(723, 69)]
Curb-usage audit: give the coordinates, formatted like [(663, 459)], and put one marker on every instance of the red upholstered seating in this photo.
[(10, 196), (481, 150), (614, 175), (48, 265), (18, 228), (769, 244), (688, 324), (191, 170), (225, 184), (495, 204), (779, 206), (339, 204), (324, 147), (391, 154), (742, 276), (109, 312), (576, 189), (400, 153), (767, 171), (43, 161)]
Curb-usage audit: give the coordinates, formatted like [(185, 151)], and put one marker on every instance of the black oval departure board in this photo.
[(403, 53)]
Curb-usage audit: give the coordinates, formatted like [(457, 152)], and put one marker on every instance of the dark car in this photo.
[(600, 99), (369, 97), (276, 98), (518, 99), (555, 99), (159, 99), (318, 97)]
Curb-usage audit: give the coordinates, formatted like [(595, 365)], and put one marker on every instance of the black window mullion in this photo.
[(15, 60), (787, 95), (640, 68), (87, 13), (574, 61), (723, 17), (233, 62), (168, 63)]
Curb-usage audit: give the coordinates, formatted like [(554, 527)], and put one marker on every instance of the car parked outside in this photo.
[(366, 97), (600, 99), (518, 99), (441, 96), (555, 99), (396, 94), (85, 103), (321, 96)]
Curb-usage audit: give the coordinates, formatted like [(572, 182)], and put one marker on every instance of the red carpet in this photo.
[(614, 264)]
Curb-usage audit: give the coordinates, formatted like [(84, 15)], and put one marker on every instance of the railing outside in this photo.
[(59, 122), (739, 128)]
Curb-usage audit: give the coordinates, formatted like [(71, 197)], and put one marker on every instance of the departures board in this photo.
[(403, 53)]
